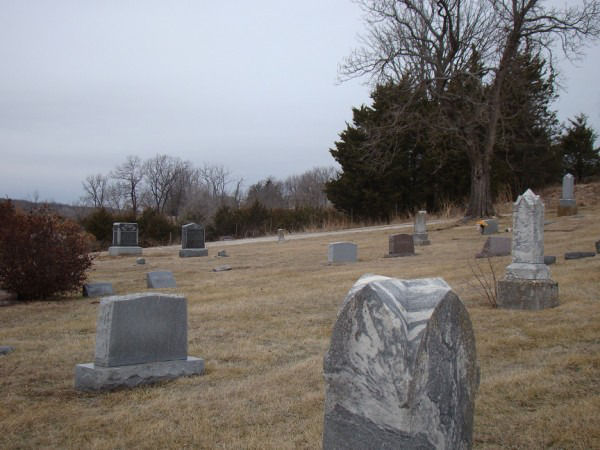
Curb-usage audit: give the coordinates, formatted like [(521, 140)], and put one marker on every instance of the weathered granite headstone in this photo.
[(160, 279), (567, 206), (401, 371), (527, 283), (495, 246), (6, 349), (420, 229), (579, 255), (98, 289), (140, 339), (401, 245), (125, 240), (340, 252), (280, 235), (549, 260), (192, 241), (490, 227)]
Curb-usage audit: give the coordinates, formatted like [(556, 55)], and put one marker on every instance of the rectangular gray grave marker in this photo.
[(98, 289), (401, 245), (339, 252), (140, 339), (490, 227), (567, 206), (160, 279), (495, 246), (192, 241), (125, 239), (420, 229), (527, 283), (401, 371)]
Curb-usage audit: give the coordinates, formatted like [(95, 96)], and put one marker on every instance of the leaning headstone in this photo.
[(420, 229), (160, 279), (6, 349), (401, 245), (401, 370), (280, 235), (549, 260), (579, 255), (488, 226), (567, 206), (140, 339), (99, 289), (495, 246), (340, 252), (125, 240), (192, 241), (223, 268), (527, 283)]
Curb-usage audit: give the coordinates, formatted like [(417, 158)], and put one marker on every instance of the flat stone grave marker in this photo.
[(140, 261), (222, 253), (340, 252), (98, 289), (495, 246), (160, 279), (6, 349), (140, 339), (579, 255), (401, 245), (401, 371), (223, 268)]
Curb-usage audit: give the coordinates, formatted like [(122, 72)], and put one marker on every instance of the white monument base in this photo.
[(527, 271), (118, 251)]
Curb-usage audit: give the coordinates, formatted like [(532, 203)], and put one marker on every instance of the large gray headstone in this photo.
[(125, 239), (339, 252), (160, 279), (420, 236), (401, 370), (527, 283), (495, 246), (140, 339), (192, 236), (401, 245)]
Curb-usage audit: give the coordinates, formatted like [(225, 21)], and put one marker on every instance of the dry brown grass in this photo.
[(263, 329)]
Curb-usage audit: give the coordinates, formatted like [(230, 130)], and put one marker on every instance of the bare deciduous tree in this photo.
[(308, 188), (430, 43), (130, 175), (161, 174), (95, 187)]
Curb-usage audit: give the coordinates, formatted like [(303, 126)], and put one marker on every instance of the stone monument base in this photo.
[(118, 251), (89, 377), (566, 208), (421, 239), (191, 252), (527, 294)]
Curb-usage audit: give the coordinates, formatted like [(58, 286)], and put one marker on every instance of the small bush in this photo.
[(41, 255)]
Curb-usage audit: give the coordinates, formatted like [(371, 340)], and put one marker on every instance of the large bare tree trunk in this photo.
[(480, 199)]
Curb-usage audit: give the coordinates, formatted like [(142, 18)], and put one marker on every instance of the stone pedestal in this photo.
[(192, 252), (421, 239), (566, 207), (527, 294), (127, 251)]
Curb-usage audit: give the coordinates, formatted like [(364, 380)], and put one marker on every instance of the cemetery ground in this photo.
[(264, 327)]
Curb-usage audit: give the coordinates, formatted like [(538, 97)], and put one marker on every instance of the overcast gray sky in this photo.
[(249, 85)]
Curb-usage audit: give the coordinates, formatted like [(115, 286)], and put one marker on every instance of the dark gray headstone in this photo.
[(549, 260), (192, 236), (495, 246), (490, 227), (579, 255), (339, 252), (401, 245), (125, 234), (401, 370), (160, 279), (6, 349), (99, 289)]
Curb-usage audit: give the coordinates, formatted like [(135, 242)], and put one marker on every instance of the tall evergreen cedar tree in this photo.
[(423, 167), (580, 158)]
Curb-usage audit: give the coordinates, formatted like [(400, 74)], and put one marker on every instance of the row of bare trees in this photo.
[(174, 187)]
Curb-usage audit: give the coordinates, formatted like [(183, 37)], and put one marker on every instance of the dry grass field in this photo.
[(264, 327)]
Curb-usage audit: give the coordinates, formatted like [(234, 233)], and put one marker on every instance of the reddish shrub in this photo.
[(41, 254)]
